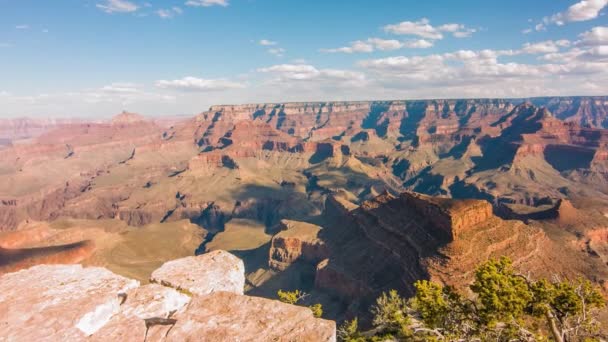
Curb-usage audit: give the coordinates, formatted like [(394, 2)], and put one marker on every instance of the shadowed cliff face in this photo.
[(390, 242), (12, 260)]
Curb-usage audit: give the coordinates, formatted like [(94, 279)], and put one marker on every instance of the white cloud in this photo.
[(292, 71), (482, 73), (266, 42), (596, 36), (422, 28), (465, 33), (373, 44), (307, 72), (418, 44), (581, 11), (207, 3), (22, 27), (169, 12), (356, 46), (585, 10), (118, 6), (385, 44), (198, 84), (548, 46), (279, 52), (120, 88), (104, 101)]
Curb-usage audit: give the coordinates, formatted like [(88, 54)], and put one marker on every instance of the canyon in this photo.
[(343, 200)]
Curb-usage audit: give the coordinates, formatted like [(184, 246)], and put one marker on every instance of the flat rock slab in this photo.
[(72, 303), (224, 316), (203, 274), (152, 303), (62, 302)]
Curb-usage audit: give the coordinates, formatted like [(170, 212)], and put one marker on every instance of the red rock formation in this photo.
[(12, 260), (296, 241), (389, 242), (453, 217)]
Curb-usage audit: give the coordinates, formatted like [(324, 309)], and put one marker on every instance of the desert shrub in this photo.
[(296, 296), (506, 306)]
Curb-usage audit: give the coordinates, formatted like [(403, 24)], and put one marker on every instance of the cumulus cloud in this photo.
[(596, 36), (581, 11), (117, 6), (483, 72), (198, 84), (207, 3), (307, 72), (547, 46), (169, 13), (422, 28), (266, 42), (373, 44), (22, 27)]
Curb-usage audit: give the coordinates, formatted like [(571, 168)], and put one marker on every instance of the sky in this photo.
[(96, 58)]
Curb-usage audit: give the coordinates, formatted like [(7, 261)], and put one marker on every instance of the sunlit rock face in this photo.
[(203, 274), (69, 302)]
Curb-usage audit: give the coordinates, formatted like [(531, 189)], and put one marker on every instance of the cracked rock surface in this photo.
[(69, 302)]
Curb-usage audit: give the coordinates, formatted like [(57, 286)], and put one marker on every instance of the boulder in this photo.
[(203, 274), (224, 316), (60, 302)]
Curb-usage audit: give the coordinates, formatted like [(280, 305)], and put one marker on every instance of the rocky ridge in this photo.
[(389, 242)]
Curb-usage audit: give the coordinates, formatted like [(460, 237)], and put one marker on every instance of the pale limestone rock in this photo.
[(224, 316), (146, 302), (72, 303), (203, 274), (63, 302)]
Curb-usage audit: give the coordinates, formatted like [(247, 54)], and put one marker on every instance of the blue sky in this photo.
[(94, 58)]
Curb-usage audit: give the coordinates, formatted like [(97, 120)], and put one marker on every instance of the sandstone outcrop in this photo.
[(203, 274), (452, 217), (126, 118), (61, 302), (297, 241), (393, 241), (225, 316), (77, 304)]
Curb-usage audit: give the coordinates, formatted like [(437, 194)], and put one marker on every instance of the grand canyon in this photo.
[(343, 200), (304, 171)]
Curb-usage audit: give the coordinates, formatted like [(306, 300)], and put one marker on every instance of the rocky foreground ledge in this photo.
[(195, 298)]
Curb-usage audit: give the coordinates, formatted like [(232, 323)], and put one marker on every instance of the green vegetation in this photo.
[(317, 310), (293, 297), (506, 306)]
